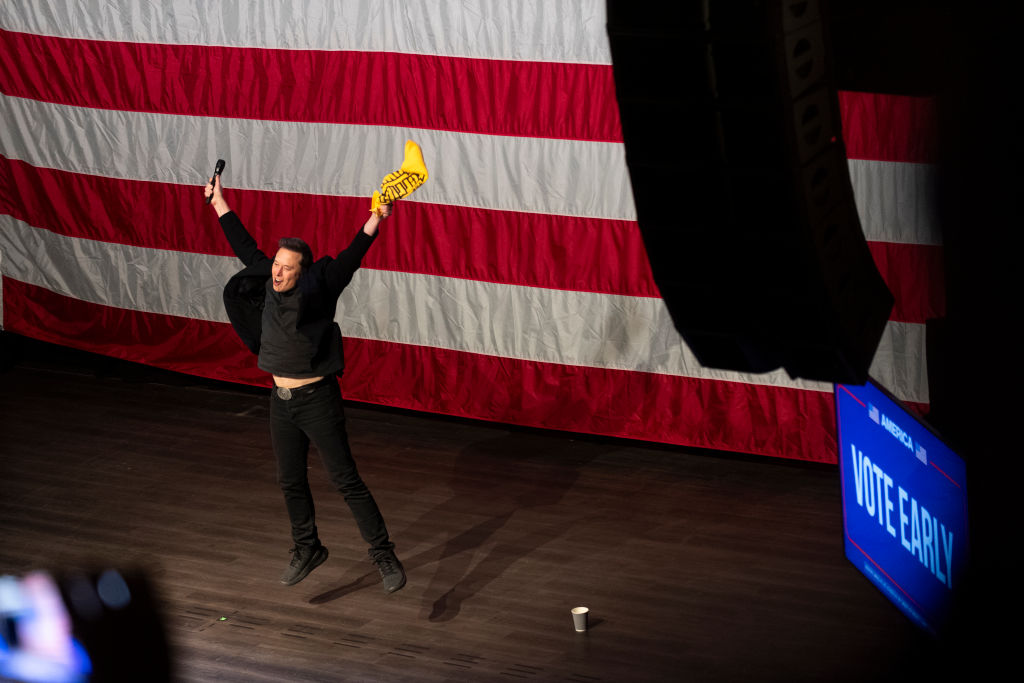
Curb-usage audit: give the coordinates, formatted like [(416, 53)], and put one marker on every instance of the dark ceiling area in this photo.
[(893, 46)]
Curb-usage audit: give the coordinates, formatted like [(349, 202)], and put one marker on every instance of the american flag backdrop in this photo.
[(513, 286)]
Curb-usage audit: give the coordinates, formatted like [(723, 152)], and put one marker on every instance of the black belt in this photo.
[(286, 394)]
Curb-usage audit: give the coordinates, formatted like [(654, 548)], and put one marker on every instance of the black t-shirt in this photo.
[(286, 352)]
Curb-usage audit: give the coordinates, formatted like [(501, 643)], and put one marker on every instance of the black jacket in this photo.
[(321, 285)]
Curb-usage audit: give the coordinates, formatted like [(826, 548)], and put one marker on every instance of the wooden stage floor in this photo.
[(696, 566)]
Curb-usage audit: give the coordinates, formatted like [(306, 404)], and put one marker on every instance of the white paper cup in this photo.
[(579, 618)]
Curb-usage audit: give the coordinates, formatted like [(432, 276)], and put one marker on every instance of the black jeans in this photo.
[(315, 413)]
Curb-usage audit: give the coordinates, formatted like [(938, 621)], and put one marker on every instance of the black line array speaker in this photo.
[(734, 147)]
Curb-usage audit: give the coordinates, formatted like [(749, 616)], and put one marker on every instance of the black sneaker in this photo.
[(392, 574), (304, 560)]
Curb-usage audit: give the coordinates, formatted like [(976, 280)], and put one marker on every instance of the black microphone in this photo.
[(218, 169)]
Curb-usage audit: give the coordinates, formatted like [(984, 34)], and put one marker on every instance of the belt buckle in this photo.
[(283, 393)]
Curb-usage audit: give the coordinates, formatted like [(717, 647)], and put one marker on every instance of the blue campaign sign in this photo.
[(904, 503)]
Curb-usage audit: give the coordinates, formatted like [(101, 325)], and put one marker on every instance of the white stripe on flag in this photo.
[(536, 175), (896, 201), (529, 323), (900, 361), (123, 276), (530, 30)]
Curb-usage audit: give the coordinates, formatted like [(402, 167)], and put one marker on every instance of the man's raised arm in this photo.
[(339, 272), (239, 238)]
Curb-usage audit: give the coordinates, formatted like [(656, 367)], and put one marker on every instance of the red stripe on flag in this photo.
[(915, 274), (532, 99), (536, 250), (883, 127), (194, 347), (442, 93), (733, 416), (578, 254)]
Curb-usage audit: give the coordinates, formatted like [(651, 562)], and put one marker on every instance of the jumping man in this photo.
[(283, 310)]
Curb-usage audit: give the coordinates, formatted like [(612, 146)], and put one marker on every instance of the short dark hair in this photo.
[(300, 247)]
